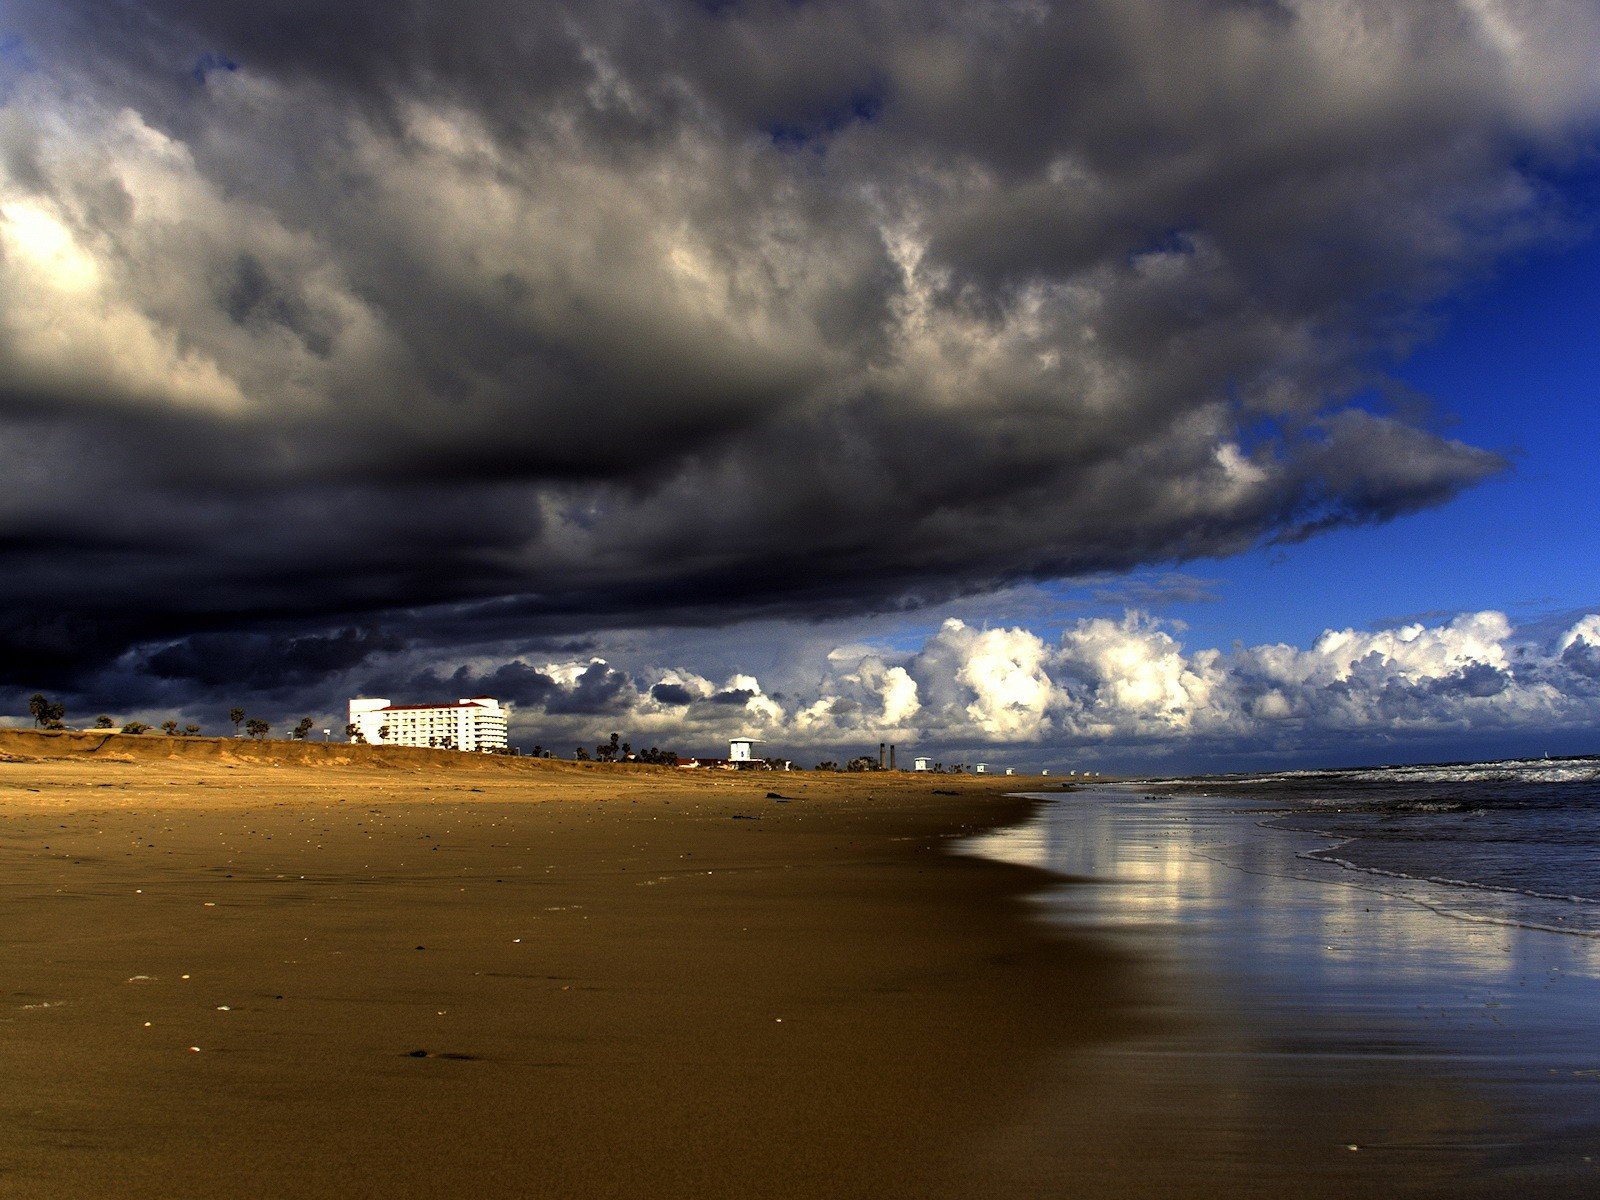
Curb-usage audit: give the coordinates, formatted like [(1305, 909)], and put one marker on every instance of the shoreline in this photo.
[(1453, 891), (1349, 1039), (586, 983)]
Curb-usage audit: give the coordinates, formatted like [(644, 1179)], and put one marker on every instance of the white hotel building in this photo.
[(472, 723)]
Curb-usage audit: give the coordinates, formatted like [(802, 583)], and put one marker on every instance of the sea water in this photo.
[(1340, 942), (1515, 842)]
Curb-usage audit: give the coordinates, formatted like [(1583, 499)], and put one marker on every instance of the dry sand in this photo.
[(230, 970), (625, 981)]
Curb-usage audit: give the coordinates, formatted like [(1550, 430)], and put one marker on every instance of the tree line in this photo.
[(617, 750), (52, 714)]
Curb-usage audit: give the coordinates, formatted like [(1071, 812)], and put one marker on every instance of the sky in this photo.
[(1140, 385)]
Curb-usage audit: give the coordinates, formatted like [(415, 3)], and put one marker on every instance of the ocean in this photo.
[(1411, 949), (1516, 842)]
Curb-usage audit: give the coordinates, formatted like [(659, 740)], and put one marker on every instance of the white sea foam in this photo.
[(1517, 770)]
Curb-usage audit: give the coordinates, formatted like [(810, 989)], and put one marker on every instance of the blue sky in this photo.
[(1515, 367)]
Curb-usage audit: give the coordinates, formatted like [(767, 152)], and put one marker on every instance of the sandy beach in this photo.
[(307, 971), (455, 977)]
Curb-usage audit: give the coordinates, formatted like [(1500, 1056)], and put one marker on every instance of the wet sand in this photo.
[(306, 972)]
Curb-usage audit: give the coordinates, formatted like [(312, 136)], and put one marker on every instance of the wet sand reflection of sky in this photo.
[(1316, 960)]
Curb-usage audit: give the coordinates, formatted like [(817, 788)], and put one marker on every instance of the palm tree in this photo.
[(236, 715), (47, 714)]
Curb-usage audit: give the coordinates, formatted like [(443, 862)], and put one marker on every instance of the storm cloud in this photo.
[(488, 321)]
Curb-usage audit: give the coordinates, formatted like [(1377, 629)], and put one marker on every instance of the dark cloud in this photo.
[(1582, 658), (1479, 679), (260, 662), (671, 693), (513, 683), (599, 690), (495, 322)]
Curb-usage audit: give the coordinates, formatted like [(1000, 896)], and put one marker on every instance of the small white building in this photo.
[(741, 757), (1011, 770), (922, 764), (981, 769), (475, 723)]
